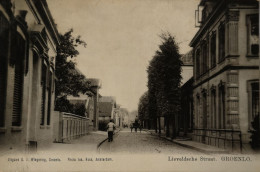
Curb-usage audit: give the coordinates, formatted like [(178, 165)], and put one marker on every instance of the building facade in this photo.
[(107, 110), (95, 85), (28, 40), (226, 77), (185, 118)]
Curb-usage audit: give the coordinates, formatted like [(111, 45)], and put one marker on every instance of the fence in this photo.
[(70, 126), (227, 135)]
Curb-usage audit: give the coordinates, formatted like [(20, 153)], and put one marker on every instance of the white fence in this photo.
[(69, 126)]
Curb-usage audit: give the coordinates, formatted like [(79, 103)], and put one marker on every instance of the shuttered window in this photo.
[(4, 32), (43, 83), (253, 34), (49, 98), (18, 81), (221, 108), (254, 107)]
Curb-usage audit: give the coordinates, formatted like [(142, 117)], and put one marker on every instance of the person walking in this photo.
[(131, 126), (140, 126), (110, 130), (136, 126)]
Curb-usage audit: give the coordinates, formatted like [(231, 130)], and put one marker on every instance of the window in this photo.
[(221, 37), (221, 110), (197, 63), (18, 81), (213, 108), (204, 57), (4, 30), (253, 34), (213, 50), (205, 110), (43, 83), (198, 112), (253, 100)]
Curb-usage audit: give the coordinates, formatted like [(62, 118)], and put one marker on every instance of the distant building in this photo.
[(107, 106), (226, 76), (88, 101), (95, 86), (28, 37), (121, 117), (124, 117), (187, 67)]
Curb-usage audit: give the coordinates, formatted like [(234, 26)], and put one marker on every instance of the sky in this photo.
[(122, 37)]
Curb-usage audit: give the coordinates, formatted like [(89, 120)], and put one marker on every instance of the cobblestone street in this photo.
[(142, 143)]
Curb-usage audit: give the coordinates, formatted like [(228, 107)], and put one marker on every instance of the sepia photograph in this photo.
[(129, 85)]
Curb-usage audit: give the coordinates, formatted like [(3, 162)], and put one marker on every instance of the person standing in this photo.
[(110, 130)]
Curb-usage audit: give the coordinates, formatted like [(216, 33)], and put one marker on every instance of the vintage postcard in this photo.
[(129, 85)]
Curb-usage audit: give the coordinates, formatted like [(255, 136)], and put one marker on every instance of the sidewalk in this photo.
[(87, 144), (204, 148)]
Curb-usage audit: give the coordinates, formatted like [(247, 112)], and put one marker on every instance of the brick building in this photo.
[(226, 77)]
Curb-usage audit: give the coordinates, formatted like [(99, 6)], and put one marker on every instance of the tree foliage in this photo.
[(64, 105), (69, 80), (143, 107), (164, 79)]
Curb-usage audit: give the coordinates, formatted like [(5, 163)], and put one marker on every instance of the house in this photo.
[(226, 73), (28, 37), (107, 106)]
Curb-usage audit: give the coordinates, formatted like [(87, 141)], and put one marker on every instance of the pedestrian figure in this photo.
[(131, 126), (140, 125), (110, 130), (136, 126)]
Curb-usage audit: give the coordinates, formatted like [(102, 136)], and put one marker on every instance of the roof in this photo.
[(107, 99), (105, 109), (187, 59), (47, 18)]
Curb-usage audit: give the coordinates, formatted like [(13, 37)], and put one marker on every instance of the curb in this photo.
[(188, 146), (99, 144)]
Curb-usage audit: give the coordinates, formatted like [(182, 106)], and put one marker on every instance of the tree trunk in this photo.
[(167, 126), (173, 127), (159, 120), (155, 124), (149, 124)]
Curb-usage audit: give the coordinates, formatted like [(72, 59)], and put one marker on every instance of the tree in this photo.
[(164, 79), (143, 114), (69, 80)]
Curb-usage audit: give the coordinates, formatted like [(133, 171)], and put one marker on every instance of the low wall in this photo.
[(69, 126), (222, 138)]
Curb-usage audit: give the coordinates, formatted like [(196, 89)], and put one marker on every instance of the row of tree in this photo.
[(162, 100)]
